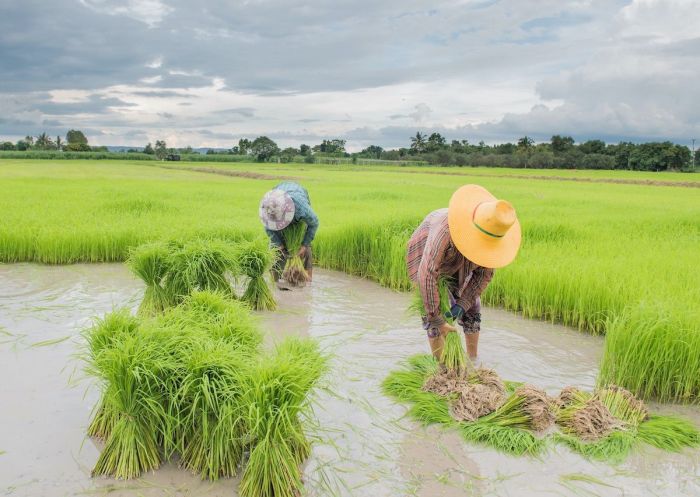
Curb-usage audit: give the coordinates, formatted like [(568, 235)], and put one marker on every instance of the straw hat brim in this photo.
[(481, 249)]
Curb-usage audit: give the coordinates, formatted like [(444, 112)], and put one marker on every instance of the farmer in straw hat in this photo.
[(466, 242), (288, 203)]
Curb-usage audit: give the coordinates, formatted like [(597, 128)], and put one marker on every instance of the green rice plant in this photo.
[(527, 408), (215, 316), (613, 448), (200, 264), (208, 402), (150, 262), (103, 335), (276, 401), (254, 260), (294, 270), (623, 405), (669, 433), (454, 357), (132, 368), (506, 439)]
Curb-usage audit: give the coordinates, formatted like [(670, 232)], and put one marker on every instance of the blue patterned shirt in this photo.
[(302, 212)]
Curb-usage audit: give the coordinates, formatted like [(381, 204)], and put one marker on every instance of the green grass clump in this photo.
[(294, 270), (254, 260), (613, 448), (151, 263), (276, 400)]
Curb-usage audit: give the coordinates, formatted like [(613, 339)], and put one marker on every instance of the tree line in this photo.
[(560, 152)]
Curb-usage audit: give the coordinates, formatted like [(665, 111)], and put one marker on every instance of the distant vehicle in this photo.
[(172, 157)]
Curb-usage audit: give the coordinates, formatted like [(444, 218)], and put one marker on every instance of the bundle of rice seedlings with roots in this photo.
[(254, 260), (133, 368), (150, 262), (199, 265), (454, 357), (100, 337), (585, 416), (294, 270), (623, 405), (528, 408), (213, 433), (276, 401)]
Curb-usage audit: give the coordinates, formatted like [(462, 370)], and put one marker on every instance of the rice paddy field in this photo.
[(604, 252)]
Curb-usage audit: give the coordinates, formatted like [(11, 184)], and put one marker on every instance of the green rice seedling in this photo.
[(669, 433), (613, 448), (528, 408), (584, 415), (254, 260), (150, 262), (454, 357), (276, 401), (216, 317), (132, 368), (294, 270), (208, 401), (514, 441), (200, 264), (100, 337), (623, 405)]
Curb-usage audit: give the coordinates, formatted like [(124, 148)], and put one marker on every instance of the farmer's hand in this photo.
[(446, 328), (302, 251)]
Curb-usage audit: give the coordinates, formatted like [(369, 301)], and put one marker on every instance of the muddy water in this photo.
[(363, 446)]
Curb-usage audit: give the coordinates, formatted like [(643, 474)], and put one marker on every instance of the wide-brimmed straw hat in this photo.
[(276, 210), (484, 229)]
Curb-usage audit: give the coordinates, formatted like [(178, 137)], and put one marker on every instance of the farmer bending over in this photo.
[(464, 242), (288, 203)]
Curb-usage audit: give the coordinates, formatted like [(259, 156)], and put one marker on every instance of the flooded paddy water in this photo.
[(363, 445)]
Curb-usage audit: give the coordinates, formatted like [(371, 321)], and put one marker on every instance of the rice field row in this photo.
[(605, 258)]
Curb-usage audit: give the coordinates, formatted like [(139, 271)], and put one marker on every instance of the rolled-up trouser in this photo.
[(470, 320), (283, 255)]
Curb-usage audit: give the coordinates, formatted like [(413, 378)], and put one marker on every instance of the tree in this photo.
[(263, 148), (304, 150), (435, 142), (7, 146), (161, 149), (29, 140), (44, 142), (335, 146), (373, 151), (592, 147), (525, 143), (561, 143), (75, 136), (244, 145), (23, 145), (148, 149), (59, 143), (418, 143), (288, 154)]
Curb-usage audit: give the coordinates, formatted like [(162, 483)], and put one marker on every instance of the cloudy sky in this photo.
[(208, 72)]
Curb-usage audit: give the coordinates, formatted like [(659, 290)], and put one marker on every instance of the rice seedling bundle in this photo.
[(276, 401), (585, 416), (527, 408), (254, 260), (454, 357), (132, 369), (199, 265), (294, 271), (150, 262)]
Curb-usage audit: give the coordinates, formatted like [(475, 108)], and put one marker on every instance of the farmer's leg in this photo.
[(471, 323), (436, 341), (309, 262)]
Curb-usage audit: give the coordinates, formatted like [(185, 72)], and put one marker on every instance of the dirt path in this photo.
[(228, 172)]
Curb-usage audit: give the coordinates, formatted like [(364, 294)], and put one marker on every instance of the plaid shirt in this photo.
[(431, 253)]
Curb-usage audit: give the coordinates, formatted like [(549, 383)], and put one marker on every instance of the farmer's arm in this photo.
[(428, 273), (480, 279), (311, 220), (275, 238)]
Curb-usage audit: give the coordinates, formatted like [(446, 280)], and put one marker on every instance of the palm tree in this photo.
[(59, 142), (43, 142), (418, 143)]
